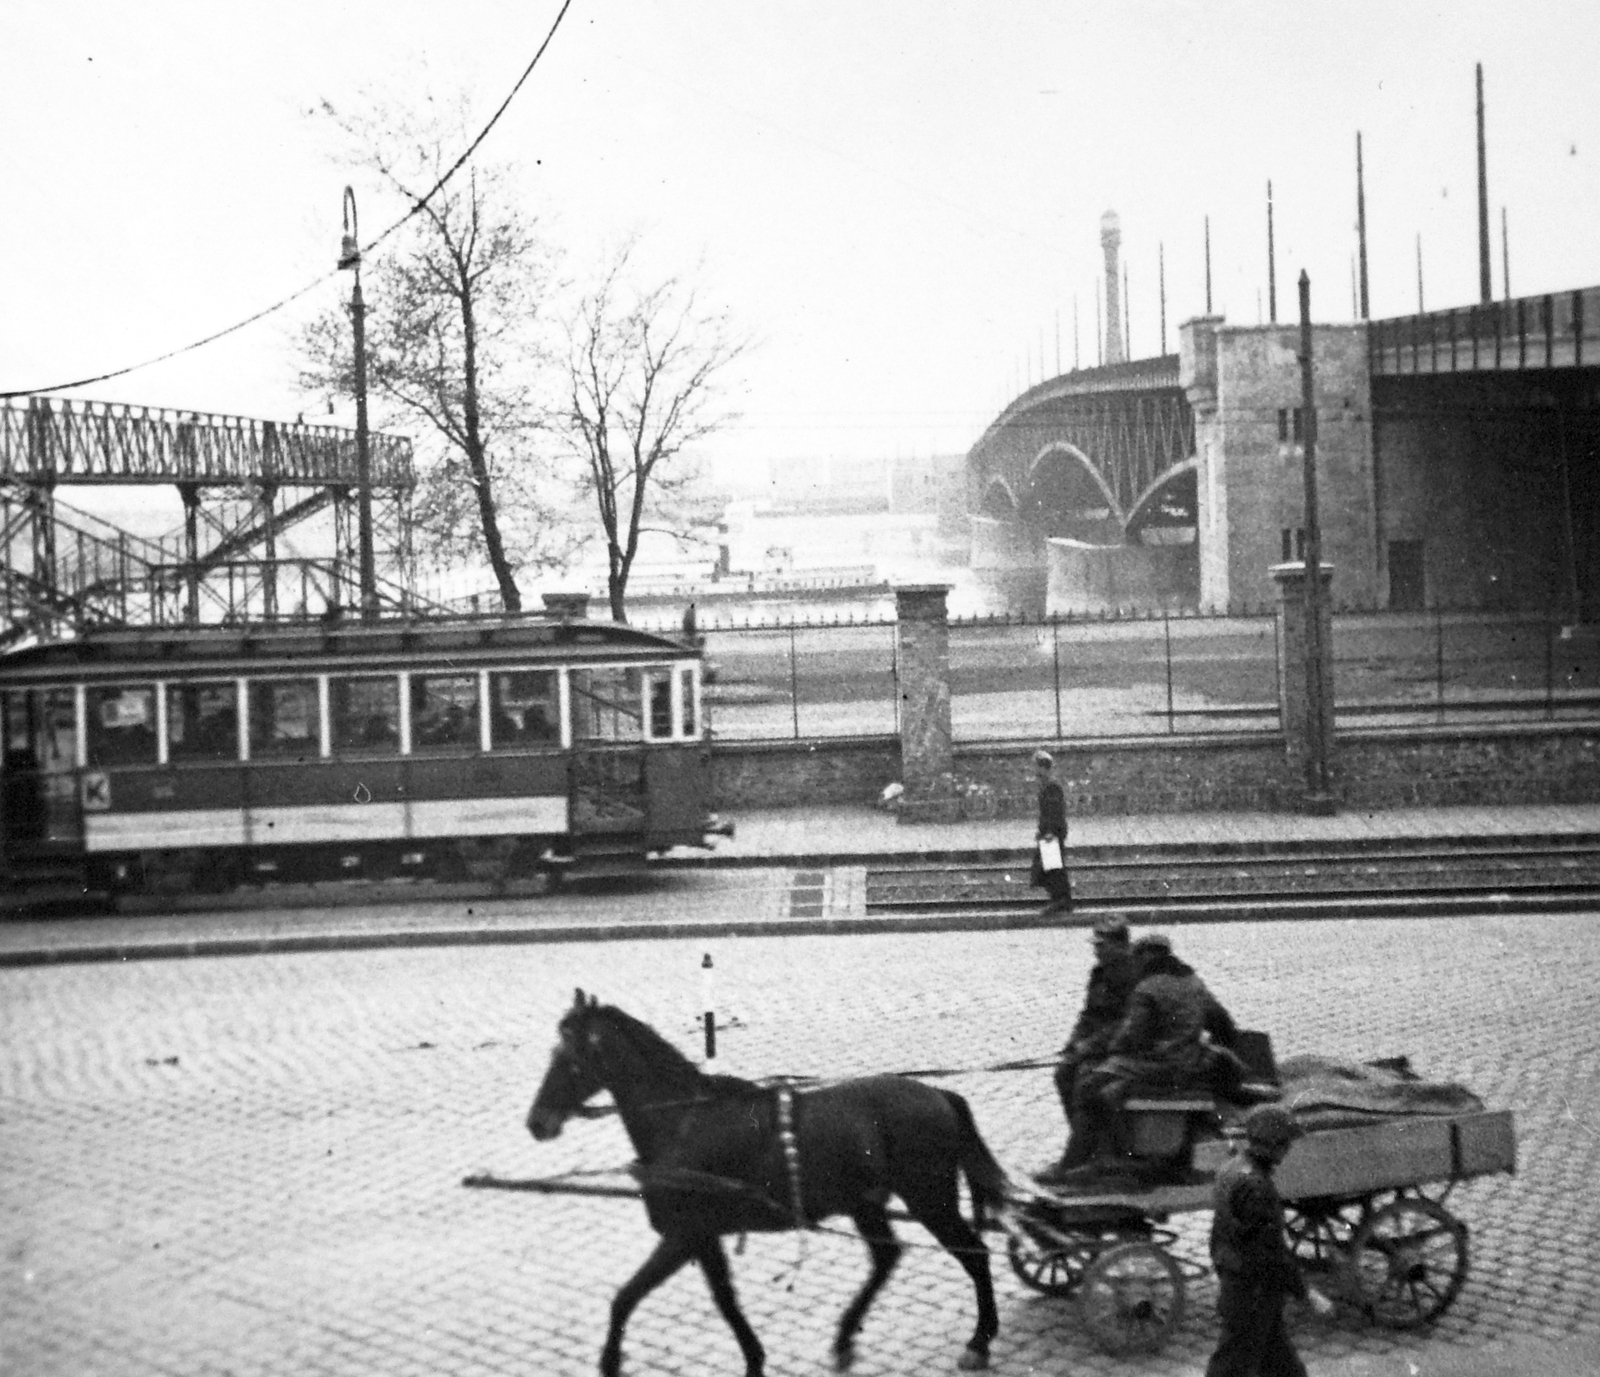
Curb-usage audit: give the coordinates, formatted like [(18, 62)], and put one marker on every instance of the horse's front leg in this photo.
[(670, 1254), (714, 1263)]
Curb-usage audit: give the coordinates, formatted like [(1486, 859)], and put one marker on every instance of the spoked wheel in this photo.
[(1410, 1260), (1321, 1234), (1131, 1298), (1046, 1265)]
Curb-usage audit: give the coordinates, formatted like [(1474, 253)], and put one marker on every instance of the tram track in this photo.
[(1373, 877)]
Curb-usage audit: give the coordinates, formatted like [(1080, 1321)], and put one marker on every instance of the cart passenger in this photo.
[(1110, 982), (1255, 1270), (1175, 1035)]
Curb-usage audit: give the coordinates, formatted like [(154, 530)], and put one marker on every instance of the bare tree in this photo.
[(644, 367), (455, 341)]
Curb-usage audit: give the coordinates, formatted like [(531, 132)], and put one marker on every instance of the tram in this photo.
[(209, 757)]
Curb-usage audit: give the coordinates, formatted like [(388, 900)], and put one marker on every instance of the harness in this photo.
[(791, 1155)]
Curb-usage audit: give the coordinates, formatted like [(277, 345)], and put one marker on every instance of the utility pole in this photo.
[(1161, 273), (1505, 255), (1421, 309), (350, 257), (1272, 264), (1208, 265), (1361, 226), (1319, 797), (1485, 286)]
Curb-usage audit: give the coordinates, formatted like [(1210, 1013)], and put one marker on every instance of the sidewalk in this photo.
[(785, 872), (839, 836)]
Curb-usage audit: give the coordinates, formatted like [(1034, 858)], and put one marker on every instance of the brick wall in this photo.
[(795, 774), (1378, 768)]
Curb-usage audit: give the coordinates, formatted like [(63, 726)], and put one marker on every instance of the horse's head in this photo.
[(573, 1075)]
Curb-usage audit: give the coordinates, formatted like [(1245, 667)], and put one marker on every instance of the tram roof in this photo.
[(493, 637)]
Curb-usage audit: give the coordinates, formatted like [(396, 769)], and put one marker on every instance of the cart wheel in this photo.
[(1320, 1234), (1046, 1266), (1410, 1260), (1131, 1298)]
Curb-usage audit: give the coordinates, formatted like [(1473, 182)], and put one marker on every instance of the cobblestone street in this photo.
[(253, 1165)]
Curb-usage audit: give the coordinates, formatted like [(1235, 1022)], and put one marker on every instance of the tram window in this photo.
[(122, 724), (366, 714), (524, 708), (606, 705), (40, 730), (658, 684), (203, 721), (444, 711), (285, 719), (686, 683)]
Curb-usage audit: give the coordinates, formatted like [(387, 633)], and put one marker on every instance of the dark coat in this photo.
[(1104, 1004), (1247, 1242), (1052, 823), (1052, 811), (1162, 1036)]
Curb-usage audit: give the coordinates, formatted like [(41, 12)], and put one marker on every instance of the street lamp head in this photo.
[(350, 245)]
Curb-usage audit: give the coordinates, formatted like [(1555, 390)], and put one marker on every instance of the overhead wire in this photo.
[(416, 209)]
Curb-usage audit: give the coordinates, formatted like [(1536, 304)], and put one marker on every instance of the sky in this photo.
[(898, 203)]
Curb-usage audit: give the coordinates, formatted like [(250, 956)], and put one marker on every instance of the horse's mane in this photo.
[(668, 1058)]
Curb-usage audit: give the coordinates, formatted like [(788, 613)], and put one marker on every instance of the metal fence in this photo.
[(1061, 679), (771, 683)]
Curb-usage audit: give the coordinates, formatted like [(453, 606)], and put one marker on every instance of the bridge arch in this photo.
[(1069, 496), (999, 502), (1176, 486)]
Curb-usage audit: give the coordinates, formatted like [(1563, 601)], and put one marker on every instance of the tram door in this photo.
[(608, 755), (38, 728)]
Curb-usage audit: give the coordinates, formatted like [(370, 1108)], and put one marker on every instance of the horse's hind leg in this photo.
[(669, 1255), (943, 1220), (873, 1221), (714, 1263)]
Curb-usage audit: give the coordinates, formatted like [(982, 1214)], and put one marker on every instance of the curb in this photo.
[(1165, 915)]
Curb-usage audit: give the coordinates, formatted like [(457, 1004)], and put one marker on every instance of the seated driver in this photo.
[(1174, 1036)]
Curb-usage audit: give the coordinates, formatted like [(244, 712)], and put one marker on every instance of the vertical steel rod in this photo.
[(794, 683), (1166, 627), (1055, 649)]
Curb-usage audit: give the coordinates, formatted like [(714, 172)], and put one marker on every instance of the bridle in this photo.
[(578, 1063)]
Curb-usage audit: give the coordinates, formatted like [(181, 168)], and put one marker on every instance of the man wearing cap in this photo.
[(1255, 1270), (1110, 982), (1174, 1035), (1053, 832)]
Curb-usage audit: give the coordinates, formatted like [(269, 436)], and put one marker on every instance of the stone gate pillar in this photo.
[(1302, 721), (922, 659)]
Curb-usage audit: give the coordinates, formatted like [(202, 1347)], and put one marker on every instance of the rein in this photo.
[(784, 1080)]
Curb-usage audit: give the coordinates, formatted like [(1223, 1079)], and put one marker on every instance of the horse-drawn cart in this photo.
[(1366, 1216)]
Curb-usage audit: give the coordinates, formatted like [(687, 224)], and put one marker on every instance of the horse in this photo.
[(720, 1155)]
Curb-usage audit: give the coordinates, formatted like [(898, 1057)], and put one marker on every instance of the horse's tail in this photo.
[(986, 1178)]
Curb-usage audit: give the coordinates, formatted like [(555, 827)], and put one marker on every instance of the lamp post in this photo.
[(350, 257)]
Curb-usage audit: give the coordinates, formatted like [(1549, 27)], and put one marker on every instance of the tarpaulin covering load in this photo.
[(1322, 1092)]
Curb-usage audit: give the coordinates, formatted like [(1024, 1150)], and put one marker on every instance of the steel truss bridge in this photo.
[(1129, 425), (243, 484)]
